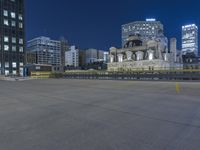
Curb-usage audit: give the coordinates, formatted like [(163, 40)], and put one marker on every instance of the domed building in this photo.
[(133, 40), (152, 54)]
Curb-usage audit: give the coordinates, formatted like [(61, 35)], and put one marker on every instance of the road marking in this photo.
[(178, 87)]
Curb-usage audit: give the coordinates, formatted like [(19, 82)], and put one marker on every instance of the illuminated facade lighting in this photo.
[(150, 19), (190, 39), (12, 37), (147, 29)]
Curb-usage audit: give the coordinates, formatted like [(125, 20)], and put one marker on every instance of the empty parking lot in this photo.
[(99, 115)]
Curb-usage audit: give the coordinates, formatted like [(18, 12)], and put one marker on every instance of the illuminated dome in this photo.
[(133, 40)]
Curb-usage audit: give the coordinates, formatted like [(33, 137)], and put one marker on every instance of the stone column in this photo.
[(129, 55), (112, 58), (166, 57), (150, 54), (139, 55), (120, 57)]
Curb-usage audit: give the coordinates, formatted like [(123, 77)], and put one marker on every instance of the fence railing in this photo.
[(137, 75), (134, 75)]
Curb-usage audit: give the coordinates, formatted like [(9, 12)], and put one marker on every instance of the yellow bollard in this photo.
[(178, 88)]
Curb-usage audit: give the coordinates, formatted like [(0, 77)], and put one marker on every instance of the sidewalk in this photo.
[(14, 78)]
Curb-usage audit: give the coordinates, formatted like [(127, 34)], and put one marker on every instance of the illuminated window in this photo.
[(6, 22), (21, 41), (5, 13), (14, 72), (13, 15), (20, 25), (14, 65), (21, 64), (21, 49), (14, 49), (6, 72), (20, 17), (13, 40), (6, 39), (13, 23), (6, 64), (6, 48)]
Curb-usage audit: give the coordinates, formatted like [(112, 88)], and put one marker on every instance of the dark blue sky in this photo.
[(97, 24)]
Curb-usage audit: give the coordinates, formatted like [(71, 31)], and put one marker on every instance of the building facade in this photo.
[(12, 37), (106, 57), (30, 57), (147, 29), (47, 52), (190, 39), (100, 55), (139, 55), (91, 55), (82, 58), (190, 61), (64, 48), (72, 57)]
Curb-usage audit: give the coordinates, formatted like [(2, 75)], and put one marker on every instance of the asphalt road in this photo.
[(99, 115)]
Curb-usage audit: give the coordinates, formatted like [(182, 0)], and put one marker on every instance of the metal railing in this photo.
[(137, 75)]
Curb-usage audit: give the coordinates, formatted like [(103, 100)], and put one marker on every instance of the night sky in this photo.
[(97, 23)]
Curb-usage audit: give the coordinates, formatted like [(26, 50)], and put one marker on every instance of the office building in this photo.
[(64, 48), (91, 55), (190, 39), (106, 57), (100, 55), (72, 57), (82, 58), (48, 51), (12, 37), (148, 29), (30, 57)]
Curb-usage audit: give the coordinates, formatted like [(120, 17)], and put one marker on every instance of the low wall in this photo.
[(143, 65), (41, 75)]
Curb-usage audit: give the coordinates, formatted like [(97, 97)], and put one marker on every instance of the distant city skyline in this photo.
[(92, 24)]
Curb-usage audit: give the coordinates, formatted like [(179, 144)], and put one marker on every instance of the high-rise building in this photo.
[(100, 55), (72, 57), (173, 49), (190, 39), (30, 57), (147, 29), (82, 58), (12, 37), (106, 57), (47, 51), (91, 55), (64, 48)]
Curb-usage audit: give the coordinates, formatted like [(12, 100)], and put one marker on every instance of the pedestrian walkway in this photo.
[(14, 78)]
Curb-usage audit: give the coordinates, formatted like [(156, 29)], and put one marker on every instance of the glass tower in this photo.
[(190, 39), (12, 41), (147, 29)]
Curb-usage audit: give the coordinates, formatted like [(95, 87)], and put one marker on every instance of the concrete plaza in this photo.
[(99, 115)]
